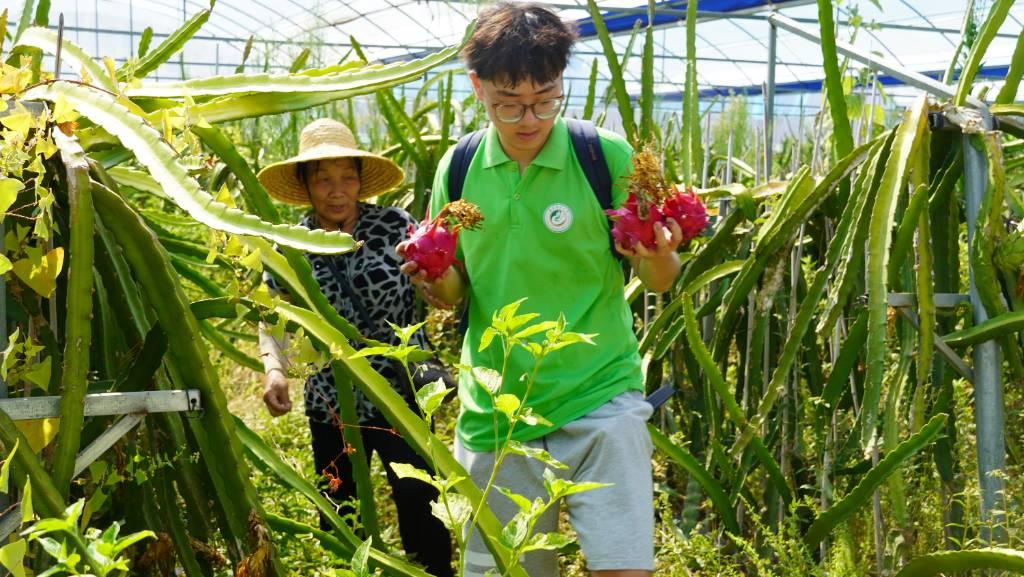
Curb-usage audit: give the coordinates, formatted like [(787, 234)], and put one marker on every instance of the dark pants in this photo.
[(424, 537)]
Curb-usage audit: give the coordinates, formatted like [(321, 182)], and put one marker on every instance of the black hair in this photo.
[(516, 42)]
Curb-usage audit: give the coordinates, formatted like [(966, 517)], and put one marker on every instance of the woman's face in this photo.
[(334, 191)]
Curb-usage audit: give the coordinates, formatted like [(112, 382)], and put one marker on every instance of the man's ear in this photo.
[(477, 87)]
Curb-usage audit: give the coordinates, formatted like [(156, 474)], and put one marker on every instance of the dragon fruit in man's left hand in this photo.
[(432, 244)]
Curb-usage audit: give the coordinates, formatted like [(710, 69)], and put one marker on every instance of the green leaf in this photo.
[(500, 319), (364, 352), (11, 556), (162, 162), (548, 541), (532, 419), (535, 329), (486, 338), (522, 502), (514, 323), (359, 560), (537, 453), (27, 510), (39, 374), (456, 514), (431, 395), (9, 189), (406, 333), (407, 471), (515, 532), (489, 379), (557, 487), (507, 404), (9, 353), (5, 264), (5, 468), (558, 341), (40, 271)]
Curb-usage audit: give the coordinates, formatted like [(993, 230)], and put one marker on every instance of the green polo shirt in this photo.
[(545, 238)]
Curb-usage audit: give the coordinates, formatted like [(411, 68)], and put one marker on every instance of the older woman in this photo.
[(367, 288)]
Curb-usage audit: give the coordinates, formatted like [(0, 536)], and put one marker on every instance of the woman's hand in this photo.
[(275, 393)]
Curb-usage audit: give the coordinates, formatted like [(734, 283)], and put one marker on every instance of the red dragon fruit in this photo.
[(630, 228), (651, 200), (687, 210), (432, 244)]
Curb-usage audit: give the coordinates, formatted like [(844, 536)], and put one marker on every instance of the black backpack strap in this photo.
[(458, 168), (587, 145), (461, 159)]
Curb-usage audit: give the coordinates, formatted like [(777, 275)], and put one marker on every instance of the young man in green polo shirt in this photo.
[(545, 238)]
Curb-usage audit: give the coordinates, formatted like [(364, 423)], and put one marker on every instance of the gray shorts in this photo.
[(615, 525)]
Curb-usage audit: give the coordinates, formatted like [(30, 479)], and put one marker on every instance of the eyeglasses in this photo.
[(543, 110)]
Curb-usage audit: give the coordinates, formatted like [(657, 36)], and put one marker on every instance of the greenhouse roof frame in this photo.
[(732, 35)]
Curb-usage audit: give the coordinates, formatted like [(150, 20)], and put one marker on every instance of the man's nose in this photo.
[(529, 115)]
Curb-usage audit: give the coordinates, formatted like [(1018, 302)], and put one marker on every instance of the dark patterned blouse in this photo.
[(384, 293)]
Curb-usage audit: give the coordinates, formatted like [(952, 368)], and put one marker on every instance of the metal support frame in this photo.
[(876, 63), (134, 406), (105, 404), (680, 13), (988, 389), (769, 101), (904, 302)]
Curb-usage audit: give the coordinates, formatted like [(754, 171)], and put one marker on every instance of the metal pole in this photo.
[(769, 102), (707, 326), (877, 63), (96, 22), (871, 110), (988, 389), (131, 28)]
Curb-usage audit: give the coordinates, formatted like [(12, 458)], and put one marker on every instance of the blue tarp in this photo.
[(815, 85), (618, 21)]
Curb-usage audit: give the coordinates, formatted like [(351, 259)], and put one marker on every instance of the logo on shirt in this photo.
[(558, 218)]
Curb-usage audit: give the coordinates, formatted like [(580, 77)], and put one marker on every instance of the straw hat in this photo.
[(320, 140)]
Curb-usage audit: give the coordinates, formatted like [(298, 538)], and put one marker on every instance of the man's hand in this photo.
[(275, 393), (667, 240), (450, 283), (658, 267)]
